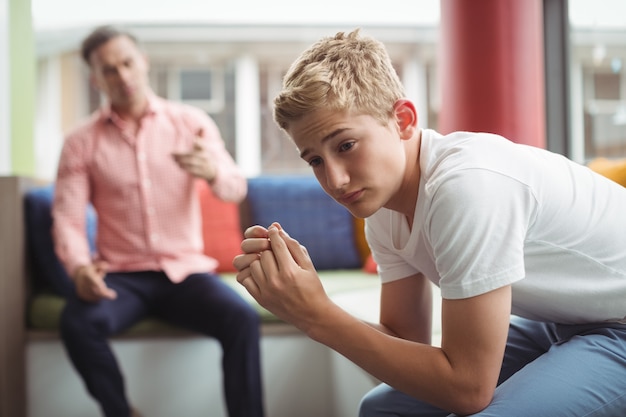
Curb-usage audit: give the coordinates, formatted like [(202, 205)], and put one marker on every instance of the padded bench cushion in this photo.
[(299, 203), (45, 307)]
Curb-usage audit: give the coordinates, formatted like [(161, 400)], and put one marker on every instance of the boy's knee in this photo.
[(384, 401), (368, 405)]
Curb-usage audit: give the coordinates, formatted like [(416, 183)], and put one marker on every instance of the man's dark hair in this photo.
[(100, 36)]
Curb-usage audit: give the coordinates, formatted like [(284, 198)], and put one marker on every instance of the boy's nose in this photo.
[(336, 176)]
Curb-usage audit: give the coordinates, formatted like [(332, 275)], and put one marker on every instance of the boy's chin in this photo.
[(360, 212)]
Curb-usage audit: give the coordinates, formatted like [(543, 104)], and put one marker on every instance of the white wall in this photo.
[(183, 378), (172, 377)]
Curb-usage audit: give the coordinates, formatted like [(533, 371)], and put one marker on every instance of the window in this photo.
[(598, 87), (210, 89), (604, 111), (279, 154), (200, 87)]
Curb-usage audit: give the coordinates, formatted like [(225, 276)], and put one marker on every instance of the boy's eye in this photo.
[(345, 146)]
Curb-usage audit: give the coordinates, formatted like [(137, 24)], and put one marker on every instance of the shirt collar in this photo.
[(155, 105)]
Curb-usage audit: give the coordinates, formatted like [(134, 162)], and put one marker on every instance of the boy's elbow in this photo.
[(472, 401)]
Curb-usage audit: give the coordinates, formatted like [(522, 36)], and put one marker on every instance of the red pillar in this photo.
[(492, 68)]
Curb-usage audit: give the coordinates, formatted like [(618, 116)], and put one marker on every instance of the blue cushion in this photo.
[(46, 268), (309, 215)]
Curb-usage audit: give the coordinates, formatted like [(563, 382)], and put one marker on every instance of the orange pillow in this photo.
[(221, 228)]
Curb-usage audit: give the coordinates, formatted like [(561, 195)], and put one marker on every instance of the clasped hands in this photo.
[(196, 161), (279, 274)]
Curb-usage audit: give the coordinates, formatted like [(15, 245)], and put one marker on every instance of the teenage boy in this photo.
[(527, 247)]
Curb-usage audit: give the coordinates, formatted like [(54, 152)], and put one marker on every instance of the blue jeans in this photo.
[(201, 303), (549, 370)]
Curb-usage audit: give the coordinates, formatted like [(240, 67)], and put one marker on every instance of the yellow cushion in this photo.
[(614, 169)]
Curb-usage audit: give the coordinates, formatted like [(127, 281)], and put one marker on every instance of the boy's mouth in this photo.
[(349, 198)]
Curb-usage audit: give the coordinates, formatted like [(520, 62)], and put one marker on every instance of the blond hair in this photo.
[(341, 73)]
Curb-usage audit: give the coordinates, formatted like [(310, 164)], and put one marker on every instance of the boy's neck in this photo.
[(407, 194)]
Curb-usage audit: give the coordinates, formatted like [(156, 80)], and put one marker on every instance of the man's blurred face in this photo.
[(120, 71)]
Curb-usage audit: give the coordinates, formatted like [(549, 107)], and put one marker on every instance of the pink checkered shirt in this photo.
[(148, 209)]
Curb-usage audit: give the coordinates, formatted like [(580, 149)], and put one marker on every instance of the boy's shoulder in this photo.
[(459, 150)]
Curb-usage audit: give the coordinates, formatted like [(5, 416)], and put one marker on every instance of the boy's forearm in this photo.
[(418, 369)]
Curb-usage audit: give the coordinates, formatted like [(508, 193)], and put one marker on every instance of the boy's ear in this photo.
[(406, 118)]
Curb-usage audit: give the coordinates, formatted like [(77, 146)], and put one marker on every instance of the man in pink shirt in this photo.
[(136, 160)]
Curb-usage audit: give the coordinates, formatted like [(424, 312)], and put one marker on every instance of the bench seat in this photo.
[(45, 308)]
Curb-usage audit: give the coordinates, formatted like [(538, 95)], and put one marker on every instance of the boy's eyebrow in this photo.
[(331, 135)]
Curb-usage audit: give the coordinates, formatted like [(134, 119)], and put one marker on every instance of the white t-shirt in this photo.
[(492, 213)]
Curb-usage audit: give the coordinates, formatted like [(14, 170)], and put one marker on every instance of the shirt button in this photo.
[(141, 156), (154, 237), (147, 183)]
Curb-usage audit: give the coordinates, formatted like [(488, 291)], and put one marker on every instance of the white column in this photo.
[(415, 83), (577, 112), (48, 129), (248, 116), (5, 91)]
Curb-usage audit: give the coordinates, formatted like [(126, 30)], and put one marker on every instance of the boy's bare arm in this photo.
[(406, 308), (460, 377)]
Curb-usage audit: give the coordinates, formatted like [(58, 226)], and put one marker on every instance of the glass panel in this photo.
[(606, 86), (605, 114), (278, 153), (598, 40), (224, 115), (195, 85)]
